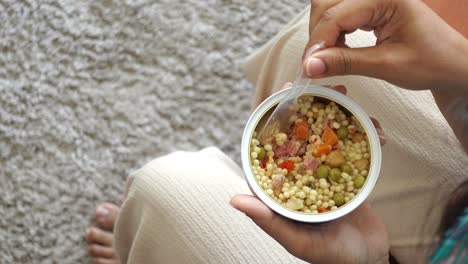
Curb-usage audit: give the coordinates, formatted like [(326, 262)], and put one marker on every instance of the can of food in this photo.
[(323, 167)]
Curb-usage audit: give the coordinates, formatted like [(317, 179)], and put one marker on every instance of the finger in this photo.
[(286, 86), (380, 131), (279, 228), (369, 61), (340, 88), (348, 16), (317, 7), (375, 122)]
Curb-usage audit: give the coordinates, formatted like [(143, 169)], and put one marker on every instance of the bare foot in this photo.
[(100, 236)]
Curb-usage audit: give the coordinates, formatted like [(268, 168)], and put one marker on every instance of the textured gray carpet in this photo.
[(92, 89)]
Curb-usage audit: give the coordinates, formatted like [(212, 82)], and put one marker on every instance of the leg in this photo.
[(177, 211)]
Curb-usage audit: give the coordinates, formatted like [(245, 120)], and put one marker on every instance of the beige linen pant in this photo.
[(177, 207)]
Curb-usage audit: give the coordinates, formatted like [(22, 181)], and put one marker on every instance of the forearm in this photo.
[(454, 107)]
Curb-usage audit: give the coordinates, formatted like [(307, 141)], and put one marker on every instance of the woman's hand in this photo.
[(359, 237), (415, 48)]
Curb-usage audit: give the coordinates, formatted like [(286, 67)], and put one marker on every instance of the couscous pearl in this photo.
[(330, 194), (281, 196), (302, 195), (313, 192), (323, 185), (326, 191), (269, 181), (325, 205), (331, 203), (366, 156), (253, 155), (350, 188), (286, 195), (319, 203), (319, 197), (308, 201), (338, 189), (364, 172), (334, 208), (307, 211), (256, 162), (346, 199), (315, 212), (269, 166), (269, 191), (313, 198), (326, 198)]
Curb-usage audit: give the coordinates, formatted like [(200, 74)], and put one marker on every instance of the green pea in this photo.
[(339, 199), (335, 174), (347, 168), (342, 132), (322, 172), (359, 181), (262, 154)]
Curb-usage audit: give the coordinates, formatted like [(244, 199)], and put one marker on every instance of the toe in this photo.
[(106, 214), (99, 251), (99, 236), (104, 261)]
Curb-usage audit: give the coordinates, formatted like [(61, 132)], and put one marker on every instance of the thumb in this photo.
[(279, 228), (369, 61)]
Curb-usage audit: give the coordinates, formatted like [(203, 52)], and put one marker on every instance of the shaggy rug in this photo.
[(92, 89)]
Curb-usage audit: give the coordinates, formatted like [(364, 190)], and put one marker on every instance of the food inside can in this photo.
[(319, 164)]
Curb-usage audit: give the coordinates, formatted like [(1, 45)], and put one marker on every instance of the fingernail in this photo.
[(380, 131), (286, 85), (314, 66), (382, 139), (102, 211)]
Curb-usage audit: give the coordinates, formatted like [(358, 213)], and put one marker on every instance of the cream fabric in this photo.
[(177, 207)]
